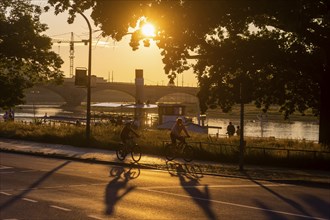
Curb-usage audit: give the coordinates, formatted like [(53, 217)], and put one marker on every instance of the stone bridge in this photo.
[(73, 95)]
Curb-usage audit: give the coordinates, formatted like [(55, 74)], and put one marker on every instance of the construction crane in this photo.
[(71, 42)]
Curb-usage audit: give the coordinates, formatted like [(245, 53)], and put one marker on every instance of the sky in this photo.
[(114, 61)]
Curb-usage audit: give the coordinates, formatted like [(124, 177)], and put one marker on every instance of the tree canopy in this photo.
[(266, 52), (25, 52)]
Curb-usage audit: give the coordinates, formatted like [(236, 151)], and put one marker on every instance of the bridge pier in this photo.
[(139, 97)]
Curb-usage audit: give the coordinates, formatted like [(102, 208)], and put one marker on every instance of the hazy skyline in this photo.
[(113, 60)]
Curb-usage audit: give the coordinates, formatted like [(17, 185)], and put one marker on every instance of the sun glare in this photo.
[(148, 30)]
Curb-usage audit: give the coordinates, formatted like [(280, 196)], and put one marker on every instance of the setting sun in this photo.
[(148, 30)]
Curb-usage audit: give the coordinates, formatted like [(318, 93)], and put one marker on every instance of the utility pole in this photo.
[(89, 76), (241, 137)]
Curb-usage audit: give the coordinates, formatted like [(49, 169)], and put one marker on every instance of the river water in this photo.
[(252, 128)]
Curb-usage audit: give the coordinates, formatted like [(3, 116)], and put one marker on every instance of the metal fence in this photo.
[(276, 152)]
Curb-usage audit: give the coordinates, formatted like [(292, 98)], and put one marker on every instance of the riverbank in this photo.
[(271, 124), (251, 112), (258, 151)]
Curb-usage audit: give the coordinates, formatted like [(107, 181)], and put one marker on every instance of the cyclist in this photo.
[(127, 132), (177, 128)]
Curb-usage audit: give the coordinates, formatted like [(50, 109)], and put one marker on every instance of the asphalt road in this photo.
[(41, 188)]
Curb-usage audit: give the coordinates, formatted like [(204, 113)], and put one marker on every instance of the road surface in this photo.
[(42, 188)]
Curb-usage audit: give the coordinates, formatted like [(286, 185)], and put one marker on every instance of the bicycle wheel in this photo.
[(134, 173), (195, 171), (188, 153), (116, 171), (136, 153), (121, 153), (170, 151)]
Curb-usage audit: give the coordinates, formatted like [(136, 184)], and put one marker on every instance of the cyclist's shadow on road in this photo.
[(189, 180), (118, 186)]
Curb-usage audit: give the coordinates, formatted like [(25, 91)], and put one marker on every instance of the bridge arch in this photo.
[(73, 95), (155, 93), (43, 95), (111, 95), (179, 97), (122, 87)]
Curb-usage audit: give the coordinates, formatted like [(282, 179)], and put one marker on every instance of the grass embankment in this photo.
[(251, 112), (266, 151)]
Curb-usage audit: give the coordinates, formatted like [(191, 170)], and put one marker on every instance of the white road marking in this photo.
[(29, 200), (28, 171), (95, 217), (233, 204), (215, 186), (6, 194), (23, 189), (8, 172), (57, 187), (4, 167), (76, 185), (60, 208), (51, 187), (99, 184)]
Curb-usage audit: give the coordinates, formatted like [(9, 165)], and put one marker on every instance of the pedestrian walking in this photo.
[(230, 129), (238, 131)]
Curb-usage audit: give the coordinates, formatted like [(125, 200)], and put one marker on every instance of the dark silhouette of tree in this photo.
[(266, 52), (25, 52)]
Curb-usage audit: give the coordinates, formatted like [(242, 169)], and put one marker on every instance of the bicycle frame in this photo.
[(180, 148), (129, 147)]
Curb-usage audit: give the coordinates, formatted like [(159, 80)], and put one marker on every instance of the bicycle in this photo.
[(132, 173), (192, 171), (181, 148), (129, 147)]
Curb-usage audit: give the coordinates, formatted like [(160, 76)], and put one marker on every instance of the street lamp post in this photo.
[(89, 75), (241, 138)]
